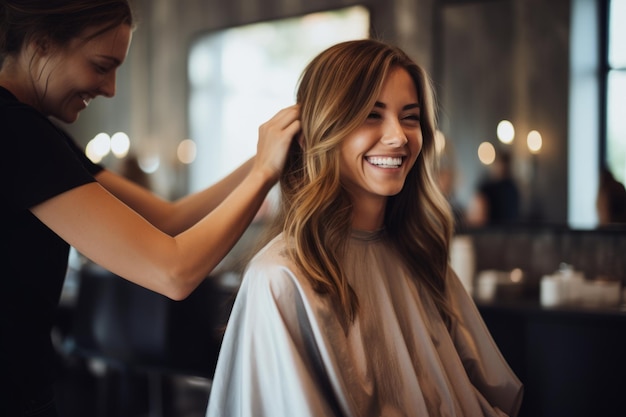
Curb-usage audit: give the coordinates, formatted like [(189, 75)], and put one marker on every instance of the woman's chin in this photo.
[(69, 117)]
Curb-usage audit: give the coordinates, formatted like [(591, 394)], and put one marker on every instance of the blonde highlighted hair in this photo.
[(337, 91)]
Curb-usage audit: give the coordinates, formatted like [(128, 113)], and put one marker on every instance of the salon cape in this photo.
[(285, 353)]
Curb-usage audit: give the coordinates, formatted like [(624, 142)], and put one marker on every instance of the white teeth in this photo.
[(385, 162)]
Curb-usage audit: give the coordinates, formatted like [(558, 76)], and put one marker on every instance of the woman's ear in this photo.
[(300, 139)]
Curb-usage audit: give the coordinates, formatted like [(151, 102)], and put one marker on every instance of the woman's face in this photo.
[(67, 79), (377, 157)]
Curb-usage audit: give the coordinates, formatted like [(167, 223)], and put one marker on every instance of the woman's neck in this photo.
[(368, 216), (16, 79)]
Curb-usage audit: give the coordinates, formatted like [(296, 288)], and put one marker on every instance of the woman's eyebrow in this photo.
[(116, 62), (407, 107)]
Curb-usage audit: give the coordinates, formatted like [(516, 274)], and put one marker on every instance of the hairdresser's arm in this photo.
[(106, 230), (172, 217)]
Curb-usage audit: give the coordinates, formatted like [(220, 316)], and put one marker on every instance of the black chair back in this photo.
[(128, 325)]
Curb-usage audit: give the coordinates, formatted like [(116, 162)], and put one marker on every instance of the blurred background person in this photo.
[(497, 200), (611, 200)]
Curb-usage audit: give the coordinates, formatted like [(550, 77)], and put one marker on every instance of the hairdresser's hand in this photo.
[(275, 136)]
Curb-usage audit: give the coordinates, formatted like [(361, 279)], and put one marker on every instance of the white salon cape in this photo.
[(286, 354)]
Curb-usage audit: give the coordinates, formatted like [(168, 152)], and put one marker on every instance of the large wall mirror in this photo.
[(538, 65)]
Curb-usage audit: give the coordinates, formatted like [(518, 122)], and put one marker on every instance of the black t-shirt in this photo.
[(39, 161)]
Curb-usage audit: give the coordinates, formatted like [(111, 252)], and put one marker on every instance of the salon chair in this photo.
[(135, 331)]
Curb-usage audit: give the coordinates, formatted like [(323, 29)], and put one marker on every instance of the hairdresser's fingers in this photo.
[(275, 136)]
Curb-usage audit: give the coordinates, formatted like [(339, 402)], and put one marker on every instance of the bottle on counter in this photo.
[(463, 260), (565, 286), (568, 286)]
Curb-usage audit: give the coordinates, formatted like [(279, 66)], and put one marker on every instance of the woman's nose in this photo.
[(107, 89), (393, 134)]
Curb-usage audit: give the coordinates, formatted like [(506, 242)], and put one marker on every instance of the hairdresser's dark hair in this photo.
[(56, 21)]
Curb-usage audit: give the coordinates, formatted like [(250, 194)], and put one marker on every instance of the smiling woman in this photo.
[(351, 308), (74, 75)]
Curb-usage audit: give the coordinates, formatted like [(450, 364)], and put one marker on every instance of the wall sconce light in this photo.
[(505, 131), (486, 153), (534, 141)]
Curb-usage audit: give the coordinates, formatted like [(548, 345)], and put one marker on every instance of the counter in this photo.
[(572, 360)]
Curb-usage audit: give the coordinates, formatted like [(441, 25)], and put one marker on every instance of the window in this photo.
[(597, 103), (240, 77), (616, 89)]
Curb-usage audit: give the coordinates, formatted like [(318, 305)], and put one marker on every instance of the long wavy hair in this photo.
[(337, 91)]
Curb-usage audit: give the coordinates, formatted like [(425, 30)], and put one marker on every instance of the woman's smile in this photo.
[(385, 162)]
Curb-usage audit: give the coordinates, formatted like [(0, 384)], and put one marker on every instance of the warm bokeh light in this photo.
[(486, 153), (534, 141), (98, 147), (149, 163), (505, 131), (517, 275), (186, 151), (120, 144)]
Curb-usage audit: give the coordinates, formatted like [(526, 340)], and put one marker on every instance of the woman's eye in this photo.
[(373, 115), (100, 68), (413, 117)]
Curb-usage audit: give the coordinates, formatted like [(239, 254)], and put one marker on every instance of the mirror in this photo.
[(502, 60), (514, 60)]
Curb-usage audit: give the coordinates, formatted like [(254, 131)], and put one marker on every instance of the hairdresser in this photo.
[(56, 56)]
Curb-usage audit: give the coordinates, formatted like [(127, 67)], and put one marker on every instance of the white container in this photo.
[(565, 286), (486, 285), (551, 291), (572, 283), (463, 260)]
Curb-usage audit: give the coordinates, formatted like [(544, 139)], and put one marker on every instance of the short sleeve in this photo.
[(40, 161)]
